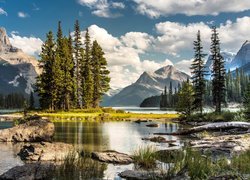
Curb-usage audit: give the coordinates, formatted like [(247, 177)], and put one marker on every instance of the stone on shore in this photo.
[(31, 131), (45, 151), (221, 145), (158, 139), (152, 125), (30, 171), (113, 157)]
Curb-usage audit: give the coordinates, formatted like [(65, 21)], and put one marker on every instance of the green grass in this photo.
[(75, 166), (145, 157)]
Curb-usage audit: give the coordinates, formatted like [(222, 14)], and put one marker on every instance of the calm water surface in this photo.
[(120, 136)]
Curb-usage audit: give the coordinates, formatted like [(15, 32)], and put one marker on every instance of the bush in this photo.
[(120, 111), (108, 110)]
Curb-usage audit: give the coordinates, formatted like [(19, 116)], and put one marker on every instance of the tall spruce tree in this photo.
[(44, 84), (246, 103), (87, 75), (218, 72), (198, 74), (78, 59), (100, 73), (67, 67)]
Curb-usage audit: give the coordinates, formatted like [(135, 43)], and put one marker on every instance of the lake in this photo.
[(124, 137)]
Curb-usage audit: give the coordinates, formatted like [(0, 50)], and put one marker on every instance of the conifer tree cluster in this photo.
[(169, 97), (74, 74)]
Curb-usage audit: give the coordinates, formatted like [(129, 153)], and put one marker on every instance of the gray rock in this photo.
[(45, 151), (32, 131), (112, 157), (29, 172), (141, 175), (158, 139)]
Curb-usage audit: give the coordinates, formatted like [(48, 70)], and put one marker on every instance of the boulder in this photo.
[(158, 139), (29, 172), (31, 131), (113, 157), (45, 151)]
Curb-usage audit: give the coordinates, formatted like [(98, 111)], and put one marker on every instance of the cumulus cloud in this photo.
[(30, 45), (184, 66), (22, 14), (3, 12), (103, 8), (190, 8), (174, 38)]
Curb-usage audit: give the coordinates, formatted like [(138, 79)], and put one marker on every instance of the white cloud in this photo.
[(29, 45), (3, 12), (102, 8), (190, 8), (175, 38), (22, 14)]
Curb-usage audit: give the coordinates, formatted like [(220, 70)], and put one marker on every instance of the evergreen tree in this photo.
[(78, 59), (246, 103), (198, 74), (100, 73), (31, 101), (218, 72), (170, 94), (67, 67), (44, 82), (185, 99), (87, 75)]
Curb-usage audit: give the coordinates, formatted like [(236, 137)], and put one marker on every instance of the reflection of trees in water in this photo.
[(86, 135)]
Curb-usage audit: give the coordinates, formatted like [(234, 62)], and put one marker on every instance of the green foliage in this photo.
[(12, 101), (247, 103), (185, 99), (241, 162), (73, 76), (145, 157), (31, 101)]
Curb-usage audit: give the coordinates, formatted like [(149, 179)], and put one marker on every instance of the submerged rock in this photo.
[(158, 139), (31, 131), (45, 151), (29, 172), (152, 125), (141, 175), (112, 157)]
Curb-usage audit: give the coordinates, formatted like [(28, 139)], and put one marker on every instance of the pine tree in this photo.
[(31, 101), (44, 82), (87, 75), (67, 67), (100, 73), (78, 59), (218, 72), (170, 100), (185, 99), (198, 74), (246, 103)]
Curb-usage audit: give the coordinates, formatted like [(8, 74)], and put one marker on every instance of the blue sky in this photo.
[(136, 35)]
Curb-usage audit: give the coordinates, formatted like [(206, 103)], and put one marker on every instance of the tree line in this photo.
[(74, 72), (12, 101)]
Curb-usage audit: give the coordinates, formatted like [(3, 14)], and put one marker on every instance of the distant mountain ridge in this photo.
[(149, 84), (18, 70)]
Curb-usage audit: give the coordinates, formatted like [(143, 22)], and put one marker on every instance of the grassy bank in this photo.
[(102, 114)]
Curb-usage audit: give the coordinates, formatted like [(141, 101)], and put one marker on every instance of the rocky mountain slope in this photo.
[(148, 84), (18, 70)]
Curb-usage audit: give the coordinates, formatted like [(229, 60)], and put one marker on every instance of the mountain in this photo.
[(148, 84), (18, 70), (242, 58), (228, 57)]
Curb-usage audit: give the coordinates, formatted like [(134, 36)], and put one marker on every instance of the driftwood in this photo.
[(211, 127)]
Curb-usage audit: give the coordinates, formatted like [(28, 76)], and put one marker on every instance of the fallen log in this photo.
[(211, 127)]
